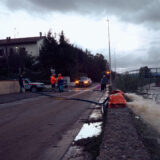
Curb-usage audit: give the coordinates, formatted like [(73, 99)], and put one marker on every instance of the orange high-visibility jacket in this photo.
[(60, 77), (53, 80)]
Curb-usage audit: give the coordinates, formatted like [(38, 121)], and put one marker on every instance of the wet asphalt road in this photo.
[(30, 127)]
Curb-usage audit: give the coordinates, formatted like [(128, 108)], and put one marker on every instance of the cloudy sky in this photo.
[(134, 26)]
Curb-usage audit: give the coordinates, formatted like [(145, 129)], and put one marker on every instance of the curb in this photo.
[(77, 150)]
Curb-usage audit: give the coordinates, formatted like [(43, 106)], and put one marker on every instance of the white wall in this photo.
[(32, 49), (39, 45)]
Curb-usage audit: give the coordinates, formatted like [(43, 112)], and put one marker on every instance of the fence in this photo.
[(146, 84)]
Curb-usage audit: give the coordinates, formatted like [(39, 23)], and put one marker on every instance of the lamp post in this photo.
[(109, 53)]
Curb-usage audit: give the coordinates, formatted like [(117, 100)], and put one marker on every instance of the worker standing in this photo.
[(53, 81), (103, 82), (21, 85), (60, 83)]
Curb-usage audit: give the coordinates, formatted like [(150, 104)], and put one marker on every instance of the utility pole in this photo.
[(115, 62), (109, 50)]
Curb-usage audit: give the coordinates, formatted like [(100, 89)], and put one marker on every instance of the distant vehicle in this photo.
[(32, 86), (83, 82)]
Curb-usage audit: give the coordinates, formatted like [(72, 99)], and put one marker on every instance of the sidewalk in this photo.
[(7, 98), (120, 139)]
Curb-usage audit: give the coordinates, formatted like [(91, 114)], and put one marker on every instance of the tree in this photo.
[(69, 60), (17, 60), (62, 39), (48, 53), (144, 72)]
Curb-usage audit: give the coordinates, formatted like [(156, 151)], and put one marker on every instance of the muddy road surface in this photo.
[(35, 128)]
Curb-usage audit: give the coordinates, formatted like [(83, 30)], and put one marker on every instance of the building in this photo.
[(31, 45)]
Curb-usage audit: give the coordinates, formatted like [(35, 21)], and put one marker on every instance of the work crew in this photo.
[(60, 83), (53, 81)]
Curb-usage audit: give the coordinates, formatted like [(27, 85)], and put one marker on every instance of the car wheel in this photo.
[(26, 90), (33, 89)]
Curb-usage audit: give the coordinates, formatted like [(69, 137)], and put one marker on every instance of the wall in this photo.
[(39, 45), (32, 49), (7, 87)]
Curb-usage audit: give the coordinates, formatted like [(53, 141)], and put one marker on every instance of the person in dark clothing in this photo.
[(103, 82), (60, 82), (20, 79)]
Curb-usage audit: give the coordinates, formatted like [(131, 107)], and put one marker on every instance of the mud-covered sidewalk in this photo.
[(120, 140)]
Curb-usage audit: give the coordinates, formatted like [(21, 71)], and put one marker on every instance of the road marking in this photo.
[(81, 92)]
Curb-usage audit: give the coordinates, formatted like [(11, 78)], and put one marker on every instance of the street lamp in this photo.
[(109, 53)]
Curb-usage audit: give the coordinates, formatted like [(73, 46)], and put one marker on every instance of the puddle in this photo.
[(96, 115), (89, 130)]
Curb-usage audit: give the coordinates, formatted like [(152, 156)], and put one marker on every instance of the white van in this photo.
[(32, 86)]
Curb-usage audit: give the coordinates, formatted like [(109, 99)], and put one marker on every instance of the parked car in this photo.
[(83, 82), (32, 86)]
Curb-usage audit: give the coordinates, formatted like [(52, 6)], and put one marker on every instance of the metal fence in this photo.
[(147, 85)]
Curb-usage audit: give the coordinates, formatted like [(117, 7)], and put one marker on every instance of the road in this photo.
[(41, 128)]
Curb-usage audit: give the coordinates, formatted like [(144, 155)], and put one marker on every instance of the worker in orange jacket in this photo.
[(53, 81), (60, 80)]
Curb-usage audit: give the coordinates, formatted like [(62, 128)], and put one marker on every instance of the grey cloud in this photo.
[(41, 5), (137, 11), (129, 60), (17, 4), (140, 58), (153, 55), (148, 14)]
